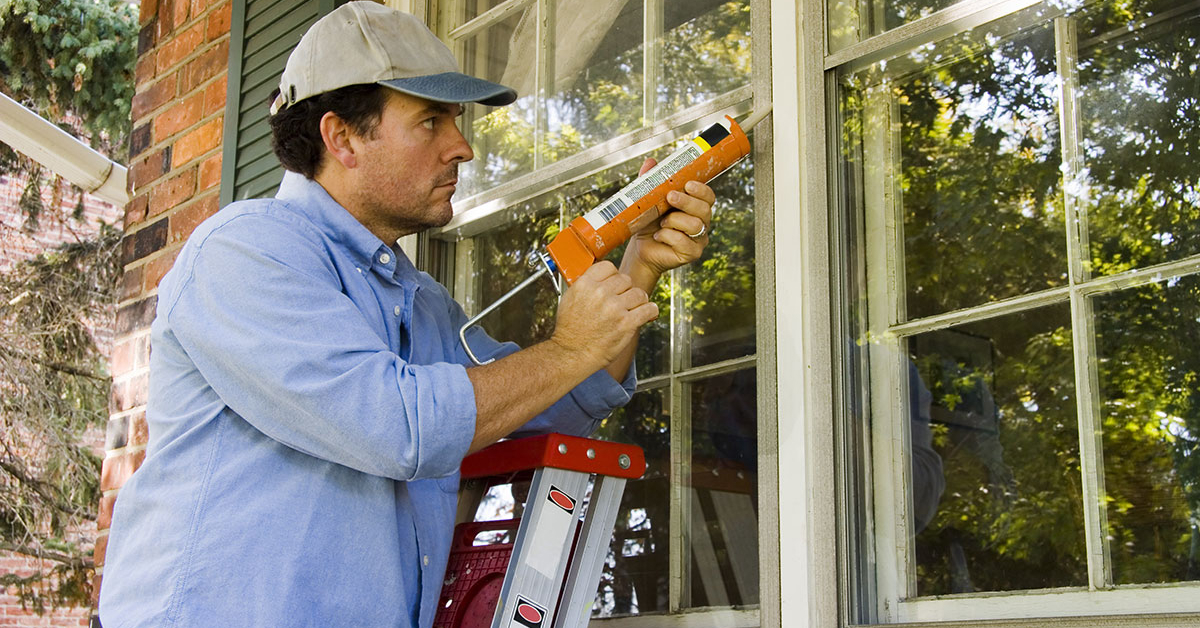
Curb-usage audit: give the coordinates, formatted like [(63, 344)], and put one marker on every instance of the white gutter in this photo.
[(54, 148)]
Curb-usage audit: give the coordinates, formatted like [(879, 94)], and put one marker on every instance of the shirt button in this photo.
[(425, 559), (385, 258), (397, 310)]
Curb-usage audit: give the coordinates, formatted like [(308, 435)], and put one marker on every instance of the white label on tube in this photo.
[(642, 185)]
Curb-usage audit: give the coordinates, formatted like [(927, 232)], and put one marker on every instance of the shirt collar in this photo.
[(314, 202)]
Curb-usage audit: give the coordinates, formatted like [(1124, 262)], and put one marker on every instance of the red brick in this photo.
[(144, 70), (210, 172), (100, 550), (128, 394), (218, 21), (122, 357), (147, 169), (104, 516), (198, 142), (159, 94), (141, 356), (172, 192), (157, 267), (116, 397), (208, 64), (115, 470), (149, 8), (139, 431), (179, 116), (131, 283), (180, 47), (95, 596), (180, 10), (184, 221), (136, 211), (214, 95)]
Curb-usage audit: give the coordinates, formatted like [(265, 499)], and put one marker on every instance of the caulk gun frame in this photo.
[(547, 267)]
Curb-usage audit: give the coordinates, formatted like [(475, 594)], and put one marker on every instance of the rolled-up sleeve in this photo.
[(290, 353)]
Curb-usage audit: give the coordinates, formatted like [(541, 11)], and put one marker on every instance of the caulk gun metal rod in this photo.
[(462, 333), (756, 117)]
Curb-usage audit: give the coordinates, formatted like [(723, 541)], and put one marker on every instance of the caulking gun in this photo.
[(595, 234)]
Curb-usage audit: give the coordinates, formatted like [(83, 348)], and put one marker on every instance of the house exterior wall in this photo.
[(175, 165)]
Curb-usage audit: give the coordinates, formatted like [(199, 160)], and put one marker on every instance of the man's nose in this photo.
[(460, 149)]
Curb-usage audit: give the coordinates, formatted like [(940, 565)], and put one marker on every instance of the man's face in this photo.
[(408, 170)]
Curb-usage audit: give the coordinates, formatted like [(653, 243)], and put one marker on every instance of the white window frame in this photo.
[(1141, 605), (479, 213)]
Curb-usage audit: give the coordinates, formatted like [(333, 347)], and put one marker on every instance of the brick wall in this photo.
[(175, 168), (18, 244)]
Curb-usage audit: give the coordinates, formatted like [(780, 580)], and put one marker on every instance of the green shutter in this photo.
[(262, 34)]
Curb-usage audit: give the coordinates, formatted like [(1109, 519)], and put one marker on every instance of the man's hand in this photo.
[(601, 313), (672, 240), (598, 321)]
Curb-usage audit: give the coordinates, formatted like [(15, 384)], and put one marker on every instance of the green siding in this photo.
[(262, 34)]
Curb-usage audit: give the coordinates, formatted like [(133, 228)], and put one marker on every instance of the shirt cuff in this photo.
[(600, 394)]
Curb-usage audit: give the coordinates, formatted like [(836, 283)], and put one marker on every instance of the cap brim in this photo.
[(453, 87)]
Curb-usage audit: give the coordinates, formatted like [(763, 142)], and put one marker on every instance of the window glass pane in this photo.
[(996, 399), (718, 294), (502, 137), (722, 495), (597, 74), (1148, 349), (978, 176), (1141, 133), (501, 263), (634, 579), (705, 51)]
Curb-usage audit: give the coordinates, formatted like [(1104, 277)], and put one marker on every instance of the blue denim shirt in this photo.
[(308, 410)]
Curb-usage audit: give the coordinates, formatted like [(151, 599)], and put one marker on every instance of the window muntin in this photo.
[(851, 21), (1093, 258)]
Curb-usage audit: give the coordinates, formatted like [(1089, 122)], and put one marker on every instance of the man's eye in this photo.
[(428, 123)]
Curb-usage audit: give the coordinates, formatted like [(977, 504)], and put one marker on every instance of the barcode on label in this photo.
[(610, 211), (656, 177)]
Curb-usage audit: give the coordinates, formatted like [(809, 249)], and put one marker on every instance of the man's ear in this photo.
[(337, 134)]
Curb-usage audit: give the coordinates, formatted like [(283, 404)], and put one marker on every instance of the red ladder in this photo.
[(548, 576)]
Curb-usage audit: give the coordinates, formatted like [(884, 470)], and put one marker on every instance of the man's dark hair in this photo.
[(296, 130)]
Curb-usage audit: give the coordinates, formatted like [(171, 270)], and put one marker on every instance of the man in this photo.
[(309, 399)]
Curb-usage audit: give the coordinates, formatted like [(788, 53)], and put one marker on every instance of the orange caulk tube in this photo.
[(595, 234)]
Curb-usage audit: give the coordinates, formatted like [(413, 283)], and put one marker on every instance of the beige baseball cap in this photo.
[(365, 42)]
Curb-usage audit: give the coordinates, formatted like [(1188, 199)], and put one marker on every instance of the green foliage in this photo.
[(71, 61), (53, 399)]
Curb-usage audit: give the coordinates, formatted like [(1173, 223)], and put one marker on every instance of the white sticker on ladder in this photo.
[(551, 529)]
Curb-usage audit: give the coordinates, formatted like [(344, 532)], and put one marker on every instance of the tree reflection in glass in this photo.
[(1003, 420), (1148, 345)]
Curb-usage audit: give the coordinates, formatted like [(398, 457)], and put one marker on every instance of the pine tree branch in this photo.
[(56, 366), (43, 489), (33, 551)]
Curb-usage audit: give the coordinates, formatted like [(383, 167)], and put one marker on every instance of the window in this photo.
[(602, 85), (1019, 207)]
